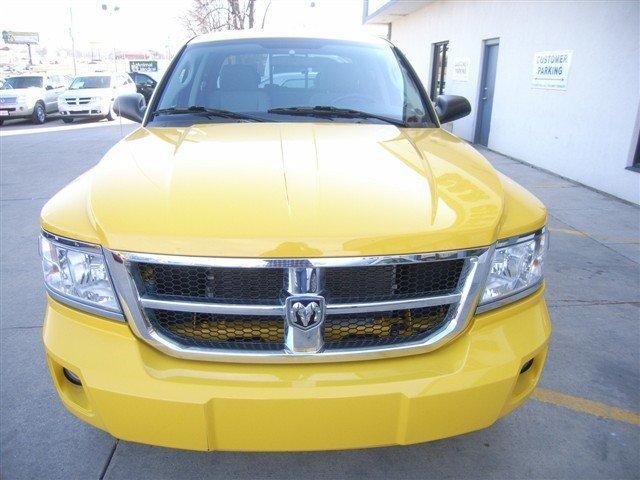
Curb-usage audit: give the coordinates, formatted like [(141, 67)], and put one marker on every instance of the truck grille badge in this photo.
[(305, 316)]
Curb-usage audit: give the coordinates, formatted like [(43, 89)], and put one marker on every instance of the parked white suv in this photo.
[(30, 96), (93, 95)]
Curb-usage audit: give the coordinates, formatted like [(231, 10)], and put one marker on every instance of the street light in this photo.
[(111, 10)]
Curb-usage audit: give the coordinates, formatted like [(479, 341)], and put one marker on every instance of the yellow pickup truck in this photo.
[(290, 253)]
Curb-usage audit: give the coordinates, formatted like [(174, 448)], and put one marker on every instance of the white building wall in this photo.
[(587, 133)]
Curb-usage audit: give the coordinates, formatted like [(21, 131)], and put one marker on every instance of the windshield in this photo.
[(90, 82), (262, 77), (22, 82)]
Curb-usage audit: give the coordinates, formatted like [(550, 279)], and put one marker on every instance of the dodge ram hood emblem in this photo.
[(305, 311)]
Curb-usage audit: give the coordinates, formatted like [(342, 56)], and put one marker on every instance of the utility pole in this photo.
[(73, 42)]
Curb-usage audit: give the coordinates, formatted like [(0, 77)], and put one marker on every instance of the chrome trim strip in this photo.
[(89, 247), (318, 262), (474, 274), (514, 297), (202, 307), (70, 302), (392, 304), (507, 242), (275, 310)]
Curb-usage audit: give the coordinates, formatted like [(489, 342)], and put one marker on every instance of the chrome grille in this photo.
[(267, 285), (237, 309), (77, 100)]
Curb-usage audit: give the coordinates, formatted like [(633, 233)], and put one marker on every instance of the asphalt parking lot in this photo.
[(581, 423)]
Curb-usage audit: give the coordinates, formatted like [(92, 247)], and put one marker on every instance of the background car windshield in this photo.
[(22, 82), (90, 82), (253, 76)]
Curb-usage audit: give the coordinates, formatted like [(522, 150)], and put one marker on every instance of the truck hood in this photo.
[(15, 92), (89, 92), (292, 190)]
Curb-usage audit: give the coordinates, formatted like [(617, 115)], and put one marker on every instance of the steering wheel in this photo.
[(355, 98)]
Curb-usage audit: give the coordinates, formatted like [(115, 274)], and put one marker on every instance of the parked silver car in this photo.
[(30, 96), (93, 95)]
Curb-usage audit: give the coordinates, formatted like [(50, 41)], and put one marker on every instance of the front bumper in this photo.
[(137, 393), (15, 110), (92, 109)]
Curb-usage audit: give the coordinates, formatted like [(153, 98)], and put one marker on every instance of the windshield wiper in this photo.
[(328, 111), (207, 112)]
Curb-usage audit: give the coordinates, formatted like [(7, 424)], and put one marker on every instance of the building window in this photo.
[(439, 69), (636, 158)]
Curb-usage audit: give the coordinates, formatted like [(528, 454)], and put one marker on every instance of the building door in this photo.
[(487, 85)]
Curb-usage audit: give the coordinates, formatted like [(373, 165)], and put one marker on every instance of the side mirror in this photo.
[(131, 106), (452, 107), (49, 87)]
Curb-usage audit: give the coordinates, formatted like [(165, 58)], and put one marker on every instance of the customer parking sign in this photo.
[(551, 69)]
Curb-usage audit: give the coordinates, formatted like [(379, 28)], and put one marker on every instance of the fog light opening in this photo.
[(72, 377), (526, 366)]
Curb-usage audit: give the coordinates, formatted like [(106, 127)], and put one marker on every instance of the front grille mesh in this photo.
[(393, 282), (386, 328), (205, 330), (224, 285), (245, 332)]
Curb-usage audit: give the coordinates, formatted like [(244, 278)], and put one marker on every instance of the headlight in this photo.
[(97, 99), (21, 99), (76, 273), (517, 268)]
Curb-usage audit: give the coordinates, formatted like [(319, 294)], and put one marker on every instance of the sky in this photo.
[(148, 24)]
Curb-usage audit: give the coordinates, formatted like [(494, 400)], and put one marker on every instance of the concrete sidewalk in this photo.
[(593, 274), (605, 219)]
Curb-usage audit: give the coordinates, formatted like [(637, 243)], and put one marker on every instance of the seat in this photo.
[(335, 80), (239, 91)]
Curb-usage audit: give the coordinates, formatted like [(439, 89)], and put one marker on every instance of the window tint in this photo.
[(103, 81), (141, 78), (303, 81), (22, 82), (254, 76)]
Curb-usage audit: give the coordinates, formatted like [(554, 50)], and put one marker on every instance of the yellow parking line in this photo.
[(583, 405), (568, 231), (625, 240)]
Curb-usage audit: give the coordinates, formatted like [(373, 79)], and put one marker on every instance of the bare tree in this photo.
[(213, 15)]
